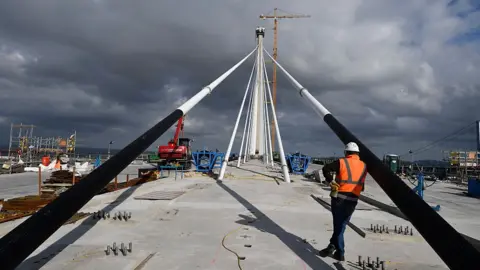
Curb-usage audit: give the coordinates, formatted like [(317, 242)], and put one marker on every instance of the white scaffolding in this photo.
[(21, 137), (23, 145)]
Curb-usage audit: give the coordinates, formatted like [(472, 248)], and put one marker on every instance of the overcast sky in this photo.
[(398, 74)]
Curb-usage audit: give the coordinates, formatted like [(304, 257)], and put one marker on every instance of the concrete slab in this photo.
[(251, 219), (19, 184)]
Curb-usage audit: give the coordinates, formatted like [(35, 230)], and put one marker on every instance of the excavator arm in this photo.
[(174, 141)]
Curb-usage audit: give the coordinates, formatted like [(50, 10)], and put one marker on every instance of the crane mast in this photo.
[(275, 18)]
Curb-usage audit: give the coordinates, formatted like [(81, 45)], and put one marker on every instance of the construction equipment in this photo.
[(177, 153), (298, 163), (275, 18), (391, 161), (420, 187), (206, 160), (474, 187)]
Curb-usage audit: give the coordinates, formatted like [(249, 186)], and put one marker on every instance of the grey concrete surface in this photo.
[(21, 184), (208, 226)]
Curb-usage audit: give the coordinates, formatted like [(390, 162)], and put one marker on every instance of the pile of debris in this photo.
[(60, 181), (63, 177), (145, 177), (315, 176), (23, 206), (10, 167)]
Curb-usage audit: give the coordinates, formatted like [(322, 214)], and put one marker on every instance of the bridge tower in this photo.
[(257, 134)]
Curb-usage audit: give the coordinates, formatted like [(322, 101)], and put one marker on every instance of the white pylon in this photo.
[(234, 132), (257, 135), (277, 131)]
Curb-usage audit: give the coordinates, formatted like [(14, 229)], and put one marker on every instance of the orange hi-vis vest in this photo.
[(351, 177)]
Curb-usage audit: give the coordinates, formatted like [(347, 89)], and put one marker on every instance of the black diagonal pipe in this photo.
[(28, 236), (19, 243), (452, 248)]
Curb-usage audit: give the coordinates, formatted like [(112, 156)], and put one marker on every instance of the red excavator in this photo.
[(177, 151)]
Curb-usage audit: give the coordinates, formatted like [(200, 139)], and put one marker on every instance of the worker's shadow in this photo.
[(39, 260), (262, 222)]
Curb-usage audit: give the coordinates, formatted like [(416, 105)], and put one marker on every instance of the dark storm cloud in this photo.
[(111, 69)]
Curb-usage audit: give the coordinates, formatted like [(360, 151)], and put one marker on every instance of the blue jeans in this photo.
[(342, 210)]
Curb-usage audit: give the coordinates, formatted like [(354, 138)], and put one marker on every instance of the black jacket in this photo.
[(329, 168)]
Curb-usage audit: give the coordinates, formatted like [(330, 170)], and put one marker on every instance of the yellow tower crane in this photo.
[(275, 18)]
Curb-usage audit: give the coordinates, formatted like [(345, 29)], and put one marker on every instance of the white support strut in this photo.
[(269, 136), (234, 132), (265, 126), (187, 106), (249, 129), (317, 106), (264, 123), (254, 114), (247, 117), (283, 161)]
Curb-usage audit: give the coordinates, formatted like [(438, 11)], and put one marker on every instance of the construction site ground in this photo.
[(250, 220)]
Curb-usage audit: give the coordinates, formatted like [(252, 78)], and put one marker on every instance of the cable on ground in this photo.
[(235, 253), (237, 229)]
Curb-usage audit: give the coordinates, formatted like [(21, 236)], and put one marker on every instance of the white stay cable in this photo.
[(277, 129), (247, 121), (249, 129), (234, 132), (269, 136)]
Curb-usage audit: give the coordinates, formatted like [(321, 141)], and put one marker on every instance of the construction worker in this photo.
[(346, 187)]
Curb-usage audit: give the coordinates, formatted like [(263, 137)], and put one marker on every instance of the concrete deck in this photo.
[(214, 222)]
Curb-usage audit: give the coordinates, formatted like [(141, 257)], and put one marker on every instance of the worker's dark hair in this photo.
[(351, 153)]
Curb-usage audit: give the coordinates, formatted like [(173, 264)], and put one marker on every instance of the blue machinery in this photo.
[(474, 187), (297, 163), (98, 162), (205, 160), (420, 187)]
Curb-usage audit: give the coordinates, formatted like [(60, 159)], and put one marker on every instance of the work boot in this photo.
[(328, 251), (338, 257)]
